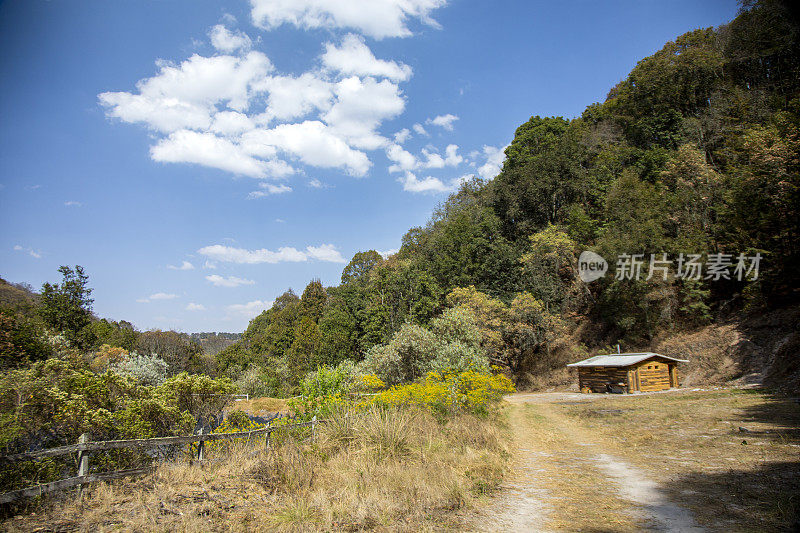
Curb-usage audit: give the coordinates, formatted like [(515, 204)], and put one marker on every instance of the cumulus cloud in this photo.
[(207, 149), (494, 161), (191, 306), (30, 251), (228, 41), (362, 104), (234, 113), (312, 142), (403, 160), (293, 97), (316, 184), (157, 296), (430, 184), (402, 136), (386, 253), (230, 281), (443, 121), (186, 265), (355, 57), (247, 310), (325, 252), (375, 18), (266, 189), (229, 254)]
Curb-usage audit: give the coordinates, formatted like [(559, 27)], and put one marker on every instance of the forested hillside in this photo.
[(693, 155)]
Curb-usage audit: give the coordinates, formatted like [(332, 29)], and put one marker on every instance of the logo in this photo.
[(591, 266)]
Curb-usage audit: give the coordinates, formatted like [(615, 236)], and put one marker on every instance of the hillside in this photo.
[(685, 181)]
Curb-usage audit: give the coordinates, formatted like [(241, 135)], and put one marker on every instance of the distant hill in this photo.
[(214, 342)]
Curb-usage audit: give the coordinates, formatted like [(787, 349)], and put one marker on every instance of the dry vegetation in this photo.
[(730, 456), (260, 406), (398, 470)]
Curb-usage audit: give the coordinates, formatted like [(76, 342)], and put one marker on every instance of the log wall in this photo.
[(598, 378)]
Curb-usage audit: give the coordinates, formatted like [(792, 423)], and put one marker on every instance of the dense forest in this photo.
[(694, 155), (693, 160)]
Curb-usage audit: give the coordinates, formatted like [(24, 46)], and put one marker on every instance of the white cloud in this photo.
[(402, 136), (387, 253), (443, 121), (231, 123), (73, 203), (191, 306), (207, 149), (186, 265), (312, 142), (229, 254), (233, 113), (248, 310), (431, 184), (375, 18), (452, 158), (494, 161), (157, 296), (30, 251), (325, 252), (403, 160), (355, 57), (296, 96), (210, 265), (230, 281), (268, 189), (362, 104), (316, 184), (227, 41), (185, 96), (419, 129)]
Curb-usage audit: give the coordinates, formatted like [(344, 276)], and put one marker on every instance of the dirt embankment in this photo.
[(758, 349)]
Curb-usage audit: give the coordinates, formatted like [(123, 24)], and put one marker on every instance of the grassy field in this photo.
[(385, 470), (731, 457)]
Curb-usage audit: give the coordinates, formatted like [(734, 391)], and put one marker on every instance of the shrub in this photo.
[(146, 369), (448, 393)]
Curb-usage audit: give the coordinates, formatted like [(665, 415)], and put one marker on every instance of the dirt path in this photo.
[(563, 480)]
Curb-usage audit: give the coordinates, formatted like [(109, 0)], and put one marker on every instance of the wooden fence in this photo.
[(84, 447)]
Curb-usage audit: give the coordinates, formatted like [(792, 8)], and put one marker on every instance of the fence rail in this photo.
[(84, 447)]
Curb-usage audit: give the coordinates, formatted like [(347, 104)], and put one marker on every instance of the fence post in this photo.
[(266, 439), (314, 429), (83, 462), (201, 446)]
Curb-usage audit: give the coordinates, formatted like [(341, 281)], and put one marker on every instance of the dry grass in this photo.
[(402, 470), (579, 495), (731, 456), (260, 406)]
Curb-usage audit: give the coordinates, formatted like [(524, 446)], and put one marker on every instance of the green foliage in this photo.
[(22, 340), (360, 266), (181, 353), (67, 307)]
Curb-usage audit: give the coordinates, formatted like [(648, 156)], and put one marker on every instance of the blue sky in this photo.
[(198, 158)]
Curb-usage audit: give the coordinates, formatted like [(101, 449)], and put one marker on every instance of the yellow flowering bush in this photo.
[(448, 392)]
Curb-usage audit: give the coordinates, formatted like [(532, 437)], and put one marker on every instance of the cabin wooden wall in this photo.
[(597, 378), (653, 375)]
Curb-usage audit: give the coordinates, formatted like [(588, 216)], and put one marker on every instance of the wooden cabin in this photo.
[(627, 372)]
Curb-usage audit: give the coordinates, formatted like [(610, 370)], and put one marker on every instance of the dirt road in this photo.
[(564, 479)]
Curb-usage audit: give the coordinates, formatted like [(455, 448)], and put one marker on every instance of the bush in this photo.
[(146, 369), (449, 393)]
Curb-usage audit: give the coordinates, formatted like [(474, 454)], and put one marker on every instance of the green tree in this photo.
[(360, 266), (67, 307)]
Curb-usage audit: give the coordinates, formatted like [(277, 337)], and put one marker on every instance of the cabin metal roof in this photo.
[(623, 359)]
